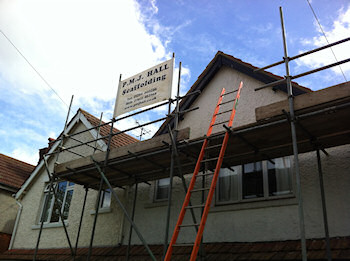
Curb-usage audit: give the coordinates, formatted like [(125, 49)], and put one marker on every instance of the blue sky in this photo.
[(81, 48)]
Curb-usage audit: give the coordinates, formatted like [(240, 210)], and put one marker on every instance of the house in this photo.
[(254, 215), (13, 173)]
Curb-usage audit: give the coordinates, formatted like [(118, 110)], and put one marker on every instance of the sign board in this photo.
[(146, 88)]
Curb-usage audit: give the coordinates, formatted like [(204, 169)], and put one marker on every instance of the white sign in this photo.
[(146, 88)]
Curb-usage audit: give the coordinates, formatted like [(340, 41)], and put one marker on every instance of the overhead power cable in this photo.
[(35, 70), (319, 24)]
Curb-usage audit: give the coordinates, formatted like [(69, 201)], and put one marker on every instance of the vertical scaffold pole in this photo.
[(132, 218), (324, 208), (170, 191), (294, 142), (80, 222)]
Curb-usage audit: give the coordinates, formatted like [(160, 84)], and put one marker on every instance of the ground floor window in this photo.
[(263, 179), (162, 189), (64, 194)]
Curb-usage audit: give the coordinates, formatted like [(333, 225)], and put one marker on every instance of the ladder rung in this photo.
[(205, 174), (223, 112), (222, 122), (200, 189), (195, 206), (213, 146), (190, 225), (227, 102), (228, 93), (231, 92), (211, 159)]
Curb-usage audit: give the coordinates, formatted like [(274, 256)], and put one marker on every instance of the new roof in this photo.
[(221, 59), (13, 172)]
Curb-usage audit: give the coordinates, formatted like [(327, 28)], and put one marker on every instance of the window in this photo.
[(105, 199), (256, 180), (64, 194), (162, 189)]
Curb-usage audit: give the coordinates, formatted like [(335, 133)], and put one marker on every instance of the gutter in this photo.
[(16, 224)]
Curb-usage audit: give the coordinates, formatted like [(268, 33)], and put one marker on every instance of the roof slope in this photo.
[(221, 59), (117, 140), (13, 172)]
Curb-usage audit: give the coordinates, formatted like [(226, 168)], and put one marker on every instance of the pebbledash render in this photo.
[(240, 212)]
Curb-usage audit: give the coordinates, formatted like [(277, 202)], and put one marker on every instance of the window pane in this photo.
[(228, 185), (45, 213), (162, 188), (61, 189), (67, 204), (279, 177), (252, 180)]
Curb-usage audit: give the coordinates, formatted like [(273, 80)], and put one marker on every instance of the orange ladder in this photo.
[(191, 189)]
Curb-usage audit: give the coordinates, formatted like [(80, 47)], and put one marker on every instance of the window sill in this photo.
[(50, 225), (101, 211), (256, 203)]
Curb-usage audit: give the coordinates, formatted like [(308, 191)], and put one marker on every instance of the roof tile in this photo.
[(117, 140), (14, 172)]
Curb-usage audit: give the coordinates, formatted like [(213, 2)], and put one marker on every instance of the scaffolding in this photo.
[(173, 154)]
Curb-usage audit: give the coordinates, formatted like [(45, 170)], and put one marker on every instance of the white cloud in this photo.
[(25, 154), (80, 47), (339, 30)]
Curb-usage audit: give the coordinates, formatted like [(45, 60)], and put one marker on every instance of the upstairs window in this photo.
[(162, 189), (64, 194), (254, 181)]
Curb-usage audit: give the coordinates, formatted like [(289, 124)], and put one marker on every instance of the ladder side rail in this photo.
[(214, 181), (209, 200), (193, 180)]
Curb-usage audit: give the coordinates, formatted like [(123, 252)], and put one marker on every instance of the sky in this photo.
[(51, 50)]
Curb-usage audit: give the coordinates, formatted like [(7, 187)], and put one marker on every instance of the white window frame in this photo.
[(69, 187), (156, 188), (265, 196)]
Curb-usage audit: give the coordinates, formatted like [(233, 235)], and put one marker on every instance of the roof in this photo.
[(13, 172), (117, 140), (280, 250), (221, 59)]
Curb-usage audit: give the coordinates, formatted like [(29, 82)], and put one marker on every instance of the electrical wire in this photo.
[(35, 70), (319, 24)]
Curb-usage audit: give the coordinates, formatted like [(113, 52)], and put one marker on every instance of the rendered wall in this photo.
[(229, 79)]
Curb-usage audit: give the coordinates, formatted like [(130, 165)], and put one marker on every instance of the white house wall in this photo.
[(229, 79)]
